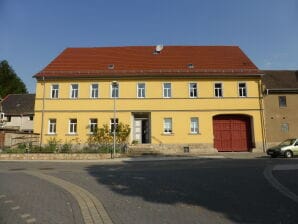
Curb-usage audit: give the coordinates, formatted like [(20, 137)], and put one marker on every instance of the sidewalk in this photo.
[(157, 157)]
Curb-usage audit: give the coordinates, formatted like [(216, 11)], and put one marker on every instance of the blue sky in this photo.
[(34, 32)]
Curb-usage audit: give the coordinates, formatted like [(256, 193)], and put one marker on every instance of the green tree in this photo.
[(10, 83)]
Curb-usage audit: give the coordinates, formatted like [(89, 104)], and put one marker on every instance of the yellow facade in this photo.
[(180, 107)]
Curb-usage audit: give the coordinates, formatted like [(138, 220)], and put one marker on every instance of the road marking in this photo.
[(278, 186), (8, 201), (93, 211), (31, 220), (15, 208), (26, 215), (286, 167)]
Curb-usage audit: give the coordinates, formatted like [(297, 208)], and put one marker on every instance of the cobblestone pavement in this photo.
[(26, 199)]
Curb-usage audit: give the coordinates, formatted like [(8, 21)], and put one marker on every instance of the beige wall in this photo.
[(276, 116)]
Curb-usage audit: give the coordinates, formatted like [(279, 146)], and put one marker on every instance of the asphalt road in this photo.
[(203, 190)]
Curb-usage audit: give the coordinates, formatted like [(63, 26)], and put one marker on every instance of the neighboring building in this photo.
[(17, 112), (202, 97), (280, 104)]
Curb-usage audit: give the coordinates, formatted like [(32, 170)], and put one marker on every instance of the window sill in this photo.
[(70, 134), (194, 133), (51, 134), (167, 134)]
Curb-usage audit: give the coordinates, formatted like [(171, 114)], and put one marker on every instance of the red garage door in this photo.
[(232, 133)]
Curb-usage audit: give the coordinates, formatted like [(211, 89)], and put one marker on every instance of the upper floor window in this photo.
[(52, 126), (55, 91), (282, 100), (115, 90), (74, 91), (193, 90), (141, 90), (93, 125), (242, 89), (218, 90), (94, 91), (73, 126), (194, 125), (167, 90), (167, 126), (114, 124)]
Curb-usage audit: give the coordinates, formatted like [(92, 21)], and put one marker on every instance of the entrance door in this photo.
[(137, 130), (141, 127)]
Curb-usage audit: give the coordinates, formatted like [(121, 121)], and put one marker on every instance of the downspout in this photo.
[(42, 112), (261, 101)]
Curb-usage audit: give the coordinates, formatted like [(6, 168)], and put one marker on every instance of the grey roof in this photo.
[(280, 79), (18, 104)]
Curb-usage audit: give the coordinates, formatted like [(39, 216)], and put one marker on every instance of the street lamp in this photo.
[(114, 95)]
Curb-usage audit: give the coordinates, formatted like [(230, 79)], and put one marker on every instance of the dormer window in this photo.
[(190, 65), (111, 66)]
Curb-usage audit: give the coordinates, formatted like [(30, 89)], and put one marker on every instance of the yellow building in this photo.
[(173, 97)]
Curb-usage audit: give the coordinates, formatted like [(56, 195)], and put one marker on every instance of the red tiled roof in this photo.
[(140, 60)]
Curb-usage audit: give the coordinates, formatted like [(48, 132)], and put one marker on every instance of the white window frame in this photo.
[(54, 91), (94, 92), (217, 90), (111, 90), (194, 125), (73, 126), (52, 126), (112, 124), (74, 93), (142, 90), (167, 125), (167, 92), (92, 125), (191, 89), (242, 91)]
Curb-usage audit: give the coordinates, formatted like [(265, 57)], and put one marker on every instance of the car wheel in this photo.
[(288, 154)]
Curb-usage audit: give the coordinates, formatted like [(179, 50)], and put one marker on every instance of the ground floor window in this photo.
[(52, 126), (93, 125), (114, 124), (167, 127), (194, 125), (73, 126)]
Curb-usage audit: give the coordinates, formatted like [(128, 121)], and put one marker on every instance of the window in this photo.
[(193, 91), (285, 127), (52, 126), (2, 115), (72, 126), (167, 129), (114, 124), (141, 90), (282, 101), (94, 91), (242, 89), (115, 90), (167, 93), (30, 118), (55, 91), (194, 125), (93, 125), (218, 90), (74, 91)]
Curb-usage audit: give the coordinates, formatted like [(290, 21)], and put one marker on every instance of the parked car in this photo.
[(287, 148)]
